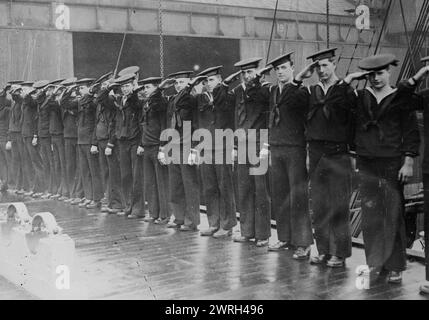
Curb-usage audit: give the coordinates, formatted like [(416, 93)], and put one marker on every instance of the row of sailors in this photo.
[(76, 140)]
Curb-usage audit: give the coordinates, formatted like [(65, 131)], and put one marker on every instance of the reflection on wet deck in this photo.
[(129, 259)]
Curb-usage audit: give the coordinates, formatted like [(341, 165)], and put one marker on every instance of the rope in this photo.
[(272, 31), (119, 55), (161, 40), (345, 41), (327, 23), (406, 35), (417, 39), (354, 51), (383, 26)]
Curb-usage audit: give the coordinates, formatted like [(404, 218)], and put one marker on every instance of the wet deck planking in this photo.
[(128, 259)]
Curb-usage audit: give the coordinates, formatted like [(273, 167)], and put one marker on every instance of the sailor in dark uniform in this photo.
[(43, 138), (215, 114), (387, 141), (328, 133), (87, 147), (69, 112), (288, 171), (126, 138), (250, 101), (5, 156), (19, 165), (56, 131), (154, 121), (29, 133), (184, 190), (105, 125)]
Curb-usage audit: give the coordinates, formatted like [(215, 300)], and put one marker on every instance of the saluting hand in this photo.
[(8, 145), (34, 141), (307, 72), (263, 71), (197, 80), (356, 76), (93, 150), (423, 72), (232, 77), (167, 83)]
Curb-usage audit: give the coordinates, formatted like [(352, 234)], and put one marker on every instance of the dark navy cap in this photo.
[(55, 82), (85, 81), (323, 54), (27, 84), (104, 77), (125, 79), (181, 74), (40, 84), (246, 64), (15, 82), (378, 62), (211, 71), (152, 80), (69, 81), (129, 70), (281, 59)]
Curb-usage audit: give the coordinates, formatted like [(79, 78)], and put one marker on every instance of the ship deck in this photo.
[(129, 259)]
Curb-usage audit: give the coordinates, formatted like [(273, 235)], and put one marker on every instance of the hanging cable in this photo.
[(417, 40), (327, 23), (272, 32), (406, 36), (343, 46), (161, 39), (377, 46), (119, 55)]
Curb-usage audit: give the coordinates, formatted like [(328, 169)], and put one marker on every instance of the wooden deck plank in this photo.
[(129, 259)]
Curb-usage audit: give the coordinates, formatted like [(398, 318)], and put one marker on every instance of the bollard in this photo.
[(35, 254)]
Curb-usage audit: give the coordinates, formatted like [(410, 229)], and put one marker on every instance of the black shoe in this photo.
[(395, 277), (94, 205), (188, 228), (278, 246), (134, 216)]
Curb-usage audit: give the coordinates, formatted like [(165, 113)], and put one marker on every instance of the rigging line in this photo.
[(161, 39), (343, 46), (422, 27), (24, 69), (272, 31), (406, 35), (30, 64), (367, 53), (119, 55), (327, 24), (354, 51), (383, 26)]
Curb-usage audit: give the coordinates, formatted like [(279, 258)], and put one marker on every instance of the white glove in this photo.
[(9, 145), (94, 150), (161, 158), (234, 155), (108, 151), (34, 141), (193, 158), (140, 151), (264, 153)]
